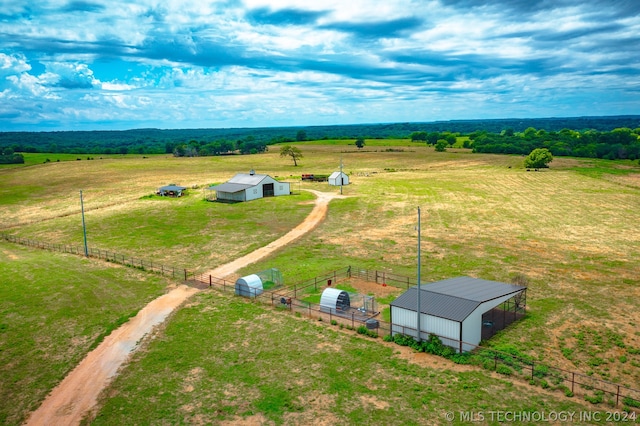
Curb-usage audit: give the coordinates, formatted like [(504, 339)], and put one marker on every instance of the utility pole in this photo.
[(419, 279), (84, 226), (341, 178)]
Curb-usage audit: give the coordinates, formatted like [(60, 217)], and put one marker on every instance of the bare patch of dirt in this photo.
[(375, 289)]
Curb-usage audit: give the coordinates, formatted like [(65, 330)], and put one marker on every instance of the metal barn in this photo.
[(247, 187), (334, 300), (249, 286), (461, 311)]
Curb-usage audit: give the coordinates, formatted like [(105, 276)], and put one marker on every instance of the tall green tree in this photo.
[(539, 158), (291, 151), (441, 145), (360, 142)]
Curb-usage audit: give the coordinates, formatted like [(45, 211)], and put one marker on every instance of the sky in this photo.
[(115, 65)]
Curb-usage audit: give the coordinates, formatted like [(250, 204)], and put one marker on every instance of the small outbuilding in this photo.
[(334, 300), (247, 187), (461, 311), (171, 190), (249, 286), (338, 179)]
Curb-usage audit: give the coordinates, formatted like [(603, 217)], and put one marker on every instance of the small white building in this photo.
[(338, 179), (247, 187), (461, 311)]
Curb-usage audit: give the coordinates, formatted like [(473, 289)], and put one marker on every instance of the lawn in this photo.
[(55, 308), (227, 360)]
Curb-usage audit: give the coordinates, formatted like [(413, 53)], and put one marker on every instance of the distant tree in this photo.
[(291, 151), (179, 150), (539, 158), (301, 136), (432, 138), (441, 145), (360, 142), (418, 136), (451, 139)]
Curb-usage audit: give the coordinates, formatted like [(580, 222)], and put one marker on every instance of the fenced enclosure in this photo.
[(283, 298)]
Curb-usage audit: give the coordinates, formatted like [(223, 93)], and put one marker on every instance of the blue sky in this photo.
[(88, 64)]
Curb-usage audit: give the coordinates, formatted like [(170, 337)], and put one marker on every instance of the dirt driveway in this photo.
[(77, 394)]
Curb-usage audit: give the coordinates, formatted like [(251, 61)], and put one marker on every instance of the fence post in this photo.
[(573, 381), (209, 280), (185, 274), (618, 395), (533, 364), (353, 324)]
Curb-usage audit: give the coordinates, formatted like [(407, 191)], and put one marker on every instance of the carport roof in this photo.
[(454, 298), (173, 188)]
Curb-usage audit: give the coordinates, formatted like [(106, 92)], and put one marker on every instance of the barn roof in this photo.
[(240, 182), (247, 179), (454, 298), (336, 174), (230, 187)]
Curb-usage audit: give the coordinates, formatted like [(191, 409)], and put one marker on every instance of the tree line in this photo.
[(620, 143), (603, 137)]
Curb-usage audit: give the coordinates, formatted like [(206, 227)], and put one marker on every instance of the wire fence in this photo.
[(109, 256), (287, 298)]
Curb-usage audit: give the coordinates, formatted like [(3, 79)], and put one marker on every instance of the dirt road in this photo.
[(77, 394)]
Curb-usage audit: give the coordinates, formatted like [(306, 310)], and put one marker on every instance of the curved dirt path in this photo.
[(78, 392)]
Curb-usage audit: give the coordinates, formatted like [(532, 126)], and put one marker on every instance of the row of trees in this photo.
[(620, 143), (9, 156), (194, 148)]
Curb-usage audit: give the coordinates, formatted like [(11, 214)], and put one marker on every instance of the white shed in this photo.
[(461, 311), (334, 300), (338, 179), (249, 186), (249, 286)]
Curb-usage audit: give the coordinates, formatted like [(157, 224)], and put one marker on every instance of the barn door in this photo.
[(267, 190)]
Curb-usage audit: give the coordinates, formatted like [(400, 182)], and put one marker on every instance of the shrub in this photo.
[(628, 401), (596, 398), (540, 370), (334, 322), (503, 369)]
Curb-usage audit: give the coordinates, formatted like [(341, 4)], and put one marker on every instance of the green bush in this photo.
[(596, 398), (540, 370), (630, 402), (503, 369)]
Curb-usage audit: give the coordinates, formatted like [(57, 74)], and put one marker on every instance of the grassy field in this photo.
[(54, 309), (224, 360), (571, 230)]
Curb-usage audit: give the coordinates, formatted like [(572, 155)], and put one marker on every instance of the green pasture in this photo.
[(571, 230), (225, 359), (54, 309)]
